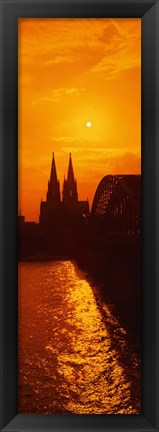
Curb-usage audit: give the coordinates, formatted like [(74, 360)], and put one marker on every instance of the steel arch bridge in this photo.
[(116, 206)]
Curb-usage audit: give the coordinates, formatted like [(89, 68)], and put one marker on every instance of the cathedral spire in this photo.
[(53, 194), (70, 175), (53, 174), (70, 195)]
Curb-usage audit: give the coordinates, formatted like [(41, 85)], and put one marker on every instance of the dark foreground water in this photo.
[(74, 355)]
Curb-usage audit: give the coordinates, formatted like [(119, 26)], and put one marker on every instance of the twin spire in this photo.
[(53, 193), (53, 175), (70, 175), (69, 194)]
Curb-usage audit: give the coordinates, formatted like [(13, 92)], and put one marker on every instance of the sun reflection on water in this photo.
[(69, 361)]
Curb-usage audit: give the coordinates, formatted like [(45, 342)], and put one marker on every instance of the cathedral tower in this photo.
[(49, 209), (53, 193), (70, 196)]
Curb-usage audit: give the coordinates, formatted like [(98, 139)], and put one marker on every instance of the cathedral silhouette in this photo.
[(69, 206), (63, 219)]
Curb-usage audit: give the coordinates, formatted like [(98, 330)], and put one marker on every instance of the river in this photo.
[(73, 353)]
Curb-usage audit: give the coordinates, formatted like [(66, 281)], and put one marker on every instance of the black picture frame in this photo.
[(148, 10)]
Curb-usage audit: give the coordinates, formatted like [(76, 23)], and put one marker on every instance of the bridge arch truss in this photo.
[(116, 205)]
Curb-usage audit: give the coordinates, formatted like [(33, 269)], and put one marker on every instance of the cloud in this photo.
[(73, 90), (59, 94), (128, 163), (106, 161), (122, 52), (56, 34), (97, 45), (98, 152), (66, 139), (57, 60)]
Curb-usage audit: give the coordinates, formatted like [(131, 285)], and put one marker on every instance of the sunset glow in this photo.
[(79, 92)]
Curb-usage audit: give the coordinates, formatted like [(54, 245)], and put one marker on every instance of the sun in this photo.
[(88, 124)]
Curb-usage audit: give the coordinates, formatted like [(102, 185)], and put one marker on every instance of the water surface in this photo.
[(73, 352)]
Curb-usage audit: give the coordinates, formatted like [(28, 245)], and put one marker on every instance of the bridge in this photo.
[(106, 244), (113, 244), (116, 208)]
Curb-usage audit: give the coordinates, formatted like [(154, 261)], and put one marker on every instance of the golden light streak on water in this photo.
[(67, 359)]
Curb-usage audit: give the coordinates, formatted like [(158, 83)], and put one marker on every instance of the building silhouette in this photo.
[(63, 216), (69, 194), (49, 209), (67, 228), (56, 212)]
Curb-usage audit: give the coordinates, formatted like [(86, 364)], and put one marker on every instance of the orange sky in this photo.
[(72, 71)]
